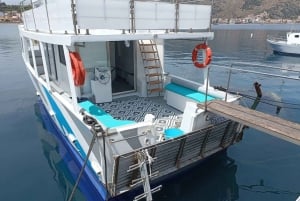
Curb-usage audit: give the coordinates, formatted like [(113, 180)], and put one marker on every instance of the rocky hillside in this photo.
[(273, 9)]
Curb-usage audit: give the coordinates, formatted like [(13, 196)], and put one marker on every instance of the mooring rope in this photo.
[(95, 133)]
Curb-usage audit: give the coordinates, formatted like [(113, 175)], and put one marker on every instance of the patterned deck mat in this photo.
[(135, 108)]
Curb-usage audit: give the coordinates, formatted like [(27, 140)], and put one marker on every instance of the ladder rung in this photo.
[(151, 59), (154, 82), (153, 74), (151, 67), (149, 52), (147, 44), (155, 90)]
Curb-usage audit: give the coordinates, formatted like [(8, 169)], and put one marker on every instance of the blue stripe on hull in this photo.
[(89, 184)]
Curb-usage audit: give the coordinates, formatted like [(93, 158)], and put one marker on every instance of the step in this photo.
[(154, 82), (153, 74), (151, 59), (145, 52), (155, 90), (152, 67), (147, 44)]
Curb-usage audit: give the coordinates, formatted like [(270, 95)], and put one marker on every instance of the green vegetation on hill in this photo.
[(226, 9), (8, 8), (272, 9)]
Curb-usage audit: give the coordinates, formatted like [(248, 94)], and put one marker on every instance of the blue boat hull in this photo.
[(89, 184)]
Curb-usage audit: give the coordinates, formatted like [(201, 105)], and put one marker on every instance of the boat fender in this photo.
[(78, 69), (95, 165), (71, 138), (208, 55)]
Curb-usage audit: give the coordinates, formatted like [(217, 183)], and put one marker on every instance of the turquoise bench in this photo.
[(188, 93), (106, 119)]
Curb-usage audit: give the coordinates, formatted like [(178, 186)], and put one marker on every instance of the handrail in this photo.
[(78, 17), (231, 69)]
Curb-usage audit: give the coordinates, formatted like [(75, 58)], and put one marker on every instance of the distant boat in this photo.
[(289, 45)]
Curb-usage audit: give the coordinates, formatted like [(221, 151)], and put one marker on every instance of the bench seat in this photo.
[(106, 119), (178, 95)]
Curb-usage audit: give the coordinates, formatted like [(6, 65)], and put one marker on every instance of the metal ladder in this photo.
[(152, 66), (144, 159)]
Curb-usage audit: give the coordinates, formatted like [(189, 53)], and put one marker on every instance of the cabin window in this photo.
[(61, 54), (51, 61), (296, 36)]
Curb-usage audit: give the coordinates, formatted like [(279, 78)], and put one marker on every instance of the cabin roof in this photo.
[(112, 35)]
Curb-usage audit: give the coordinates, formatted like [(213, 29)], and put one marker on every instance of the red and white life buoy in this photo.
[(208, 55), (78, 69)]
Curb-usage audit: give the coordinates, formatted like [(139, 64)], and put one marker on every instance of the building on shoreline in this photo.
[(10, 17)]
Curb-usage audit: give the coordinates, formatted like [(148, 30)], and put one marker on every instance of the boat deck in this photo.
[(135, 108)]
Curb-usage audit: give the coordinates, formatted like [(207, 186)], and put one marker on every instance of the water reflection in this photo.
[(287, 63), (262, 188), (213, 180), (8, 46), (52, 152)]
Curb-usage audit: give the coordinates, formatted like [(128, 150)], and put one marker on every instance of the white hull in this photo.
[(283, 47), (289, 45)]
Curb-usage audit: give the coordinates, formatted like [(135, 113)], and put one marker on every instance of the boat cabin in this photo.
[(98, 67), (293, 38)]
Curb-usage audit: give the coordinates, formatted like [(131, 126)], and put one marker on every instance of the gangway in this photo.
[(269, 124)]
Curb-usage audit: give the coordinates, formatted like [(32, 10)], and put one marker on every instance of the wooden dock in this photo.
[(275, 126)]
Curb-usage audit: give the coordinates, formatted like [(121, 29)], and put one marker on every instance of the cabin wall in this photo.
[(141, 85), (94, 55), (161, 52)]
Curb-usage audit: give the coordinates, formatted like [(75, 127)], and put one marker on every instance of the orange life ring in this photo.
[(78, 70), (208, 55)]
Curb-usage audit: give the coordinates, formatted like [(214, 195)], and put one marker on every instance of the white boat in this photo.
[(289, 45), (98, 68)]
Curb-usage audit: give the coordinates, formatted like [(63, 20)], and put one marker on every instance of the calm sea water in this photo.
[(262, 167)]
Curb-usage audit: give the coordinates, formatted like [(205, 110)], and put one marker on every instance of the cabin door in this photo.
[(122, 62)]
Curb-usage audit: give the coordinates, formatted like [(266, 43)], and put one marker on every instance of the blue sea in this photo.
[(259, 168)]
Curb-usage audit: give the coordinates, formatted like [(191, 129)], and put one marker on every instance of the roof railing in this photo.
[(59, 16)]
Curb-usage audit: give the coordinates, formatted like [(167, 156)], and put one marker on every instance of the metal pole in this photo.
[(50, 31), (23, 13), (227, 88), (74, 16), (176, 15), (212, 4), (132, 16), (33, 15), (97, 131), (206, 90)]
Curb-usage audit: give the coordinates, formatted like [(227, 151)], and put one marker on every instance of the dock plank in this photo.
[(278, 127)]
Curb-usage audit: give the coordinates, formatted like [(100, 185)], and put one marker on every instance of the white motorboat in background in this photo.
[(289, 45)]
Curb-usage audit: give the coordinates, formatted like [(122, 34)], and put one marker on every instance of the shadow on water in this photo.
[(213, 180), (260, 187), (54, 154)]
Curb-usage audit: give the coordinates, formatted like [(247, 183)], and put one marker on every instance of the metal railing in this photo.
[(171, 155), (43, 19), (232, 69)]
